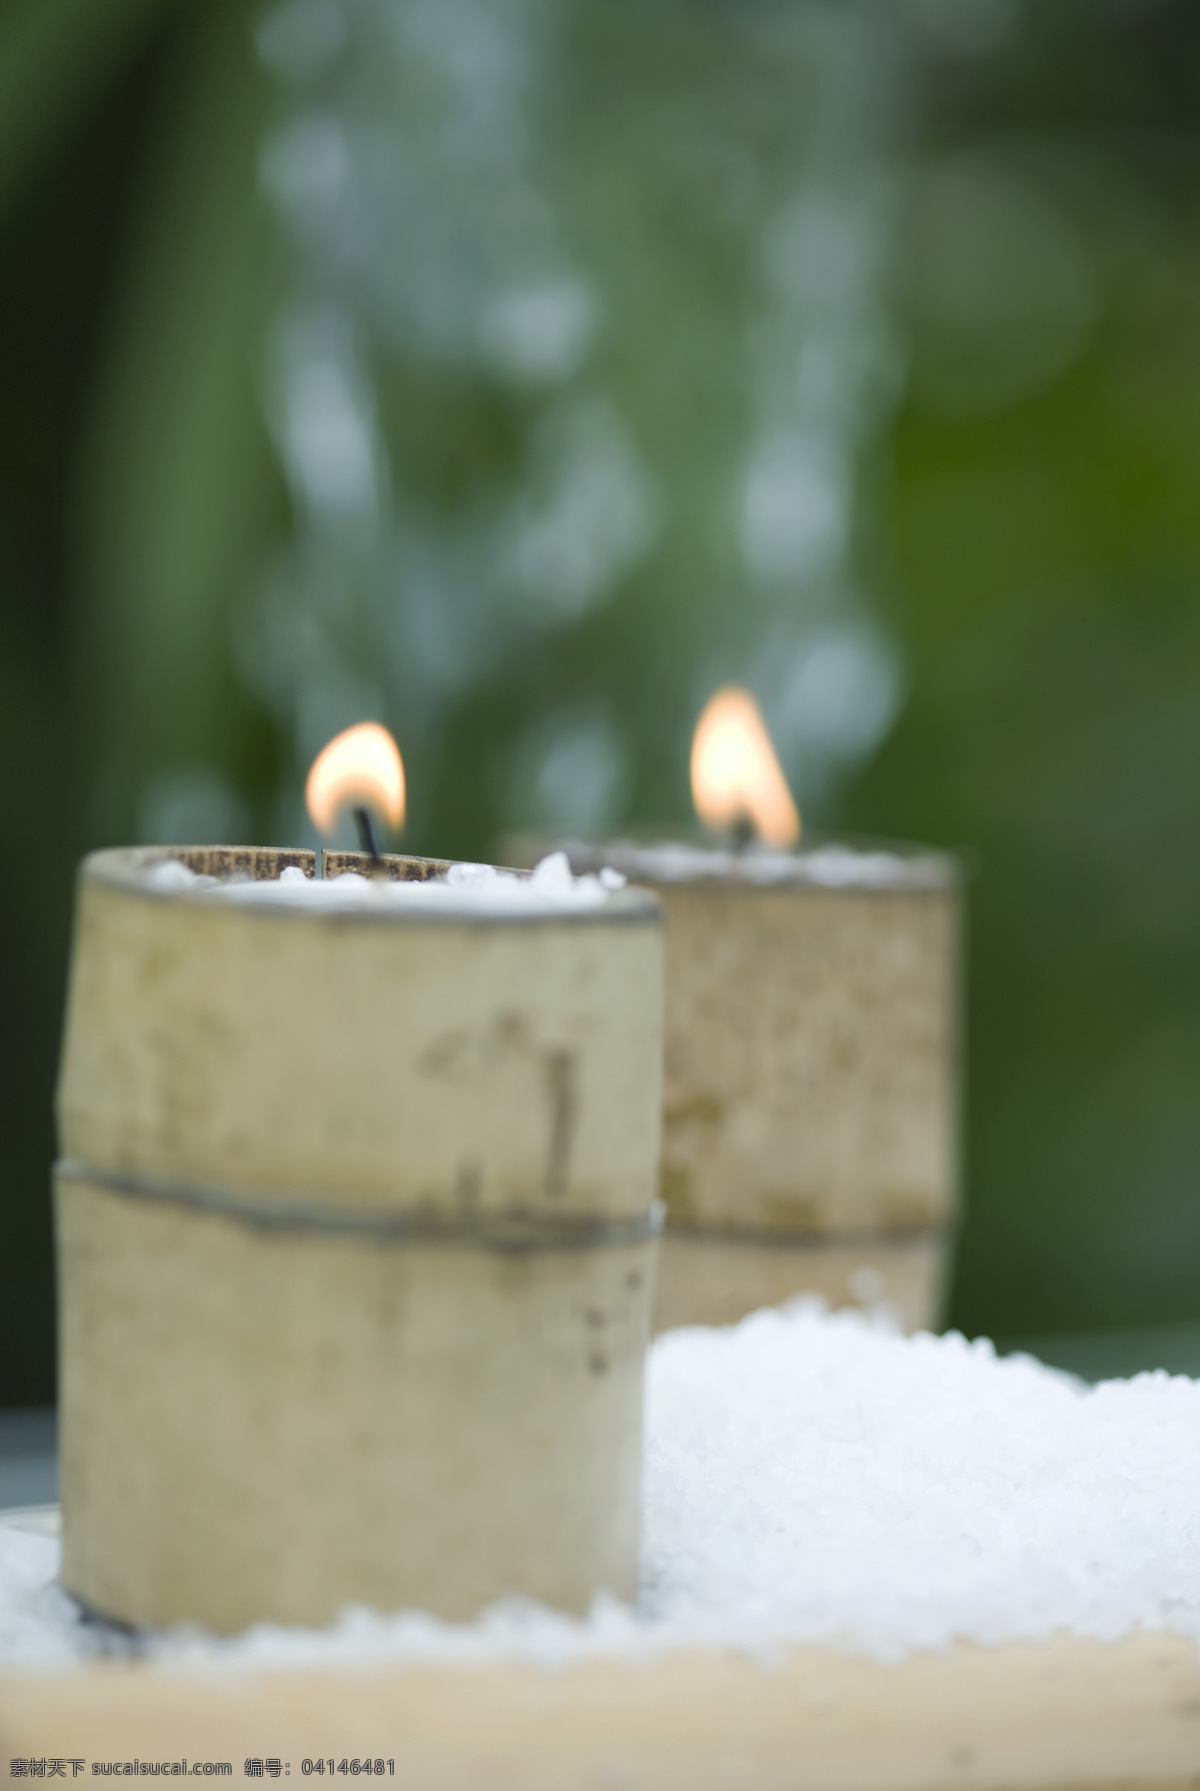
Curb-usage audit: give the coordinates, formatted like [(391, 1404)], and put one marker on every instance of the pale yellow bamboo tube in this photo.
[(355, 1222), (723, 1277), (811, 1086)]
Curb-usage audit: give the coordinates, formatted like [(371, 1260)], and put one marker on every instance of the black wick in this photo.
[(367, 838), (744, 833)]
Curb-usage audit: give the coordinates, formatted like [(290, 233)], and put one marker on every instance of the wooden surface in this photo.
[(1066, 1714)]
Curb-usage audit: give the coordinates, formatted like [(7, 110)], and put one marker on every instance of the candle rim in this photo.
[(706, 863), (124, 867)]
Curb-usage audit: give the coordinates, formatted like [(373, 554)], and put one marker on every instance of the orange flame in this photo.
[(362, 766), (735, 774)]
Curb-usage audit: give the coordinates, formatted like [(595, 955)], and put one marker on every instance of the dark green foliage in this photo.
[(1047, 557)]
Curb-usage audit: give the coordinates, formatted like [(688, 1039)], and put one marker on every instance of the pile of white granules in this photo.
[(814, 1477)]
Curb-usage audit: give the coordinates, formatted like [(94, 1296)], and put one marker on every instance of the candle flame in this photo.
[(362, 767), (735, 774)]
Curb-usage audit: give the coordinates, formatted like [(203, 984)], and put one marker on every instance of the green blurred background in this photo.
[(514, 374)]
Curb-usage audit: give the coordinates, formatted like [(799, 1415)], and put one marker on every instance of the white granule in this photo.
[(831, 1482), (817, 1478), (39, 1624)]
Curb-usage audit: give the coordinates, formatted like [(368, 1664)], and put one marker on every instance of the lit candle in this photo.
[(358, 769), (356, 1222), (811, 1083)]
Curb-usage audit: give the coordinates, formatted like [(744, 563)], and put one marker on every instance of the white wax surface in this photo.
[(818, 1479), (465, 889)]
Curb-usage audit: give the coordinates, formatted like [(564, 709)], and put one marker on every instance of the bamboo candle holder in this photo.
[(811, 1087), (355, 1231)]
